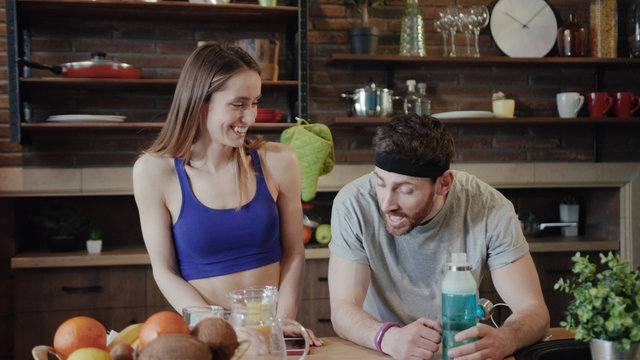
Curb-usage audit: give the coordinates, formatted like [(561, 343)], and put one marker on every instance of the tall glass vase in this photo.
[(633, 28), (412, 32)]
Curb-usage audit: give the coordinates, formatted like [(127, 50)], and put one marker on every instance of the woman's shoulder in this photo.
[(151, 165), (277, 153)]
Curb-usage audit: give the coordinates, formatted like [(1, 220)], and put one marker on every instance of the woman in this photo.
[(219, 212)]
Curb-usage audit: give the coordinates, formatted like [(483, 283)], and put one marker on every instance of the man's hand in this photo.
[(418, 340), (492, 343)]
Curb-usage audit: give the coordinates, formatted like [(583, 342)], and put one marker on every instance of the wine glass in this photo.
[(451, 20), (438, 24), (467, 22), (480, 21)]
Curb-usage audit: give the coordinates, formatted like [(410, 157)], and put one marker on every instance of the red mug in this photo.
[(624, 103), (599, 103)]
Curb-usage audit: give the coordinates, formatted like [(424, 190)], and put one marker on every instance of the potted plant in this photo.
[(62, 227), (94, 244), (605, 308), (363, 40)]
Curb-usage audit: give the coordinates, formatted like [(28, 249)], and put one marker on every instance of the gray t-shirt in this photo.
[(407, 270)]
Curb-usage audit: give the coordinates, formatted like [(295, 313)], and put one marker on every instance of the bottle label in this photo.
[(458, 313)]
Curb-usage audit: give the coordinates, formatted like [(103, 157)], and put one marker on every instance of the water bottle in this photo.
[(459, 302), (425, 103), (411, 100), (412, 32)]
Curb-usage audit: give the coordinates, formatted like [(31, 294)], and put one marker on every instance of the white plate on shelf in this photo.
[(463, 114), (86, 118)]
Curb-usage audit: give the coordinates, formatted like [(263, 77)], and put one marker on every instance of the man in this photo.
[(393, 232)]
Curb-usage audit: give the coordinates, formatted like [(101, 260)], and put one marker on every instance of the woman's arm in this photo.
[(282, 167), (151, 175)]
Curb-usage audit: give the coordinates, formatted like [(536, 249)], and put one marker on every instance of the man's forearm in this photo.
[(354, 324), (526, 327)]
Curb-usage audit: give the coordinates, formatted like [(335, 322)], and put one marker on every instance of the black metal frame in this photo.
[(15, 108)]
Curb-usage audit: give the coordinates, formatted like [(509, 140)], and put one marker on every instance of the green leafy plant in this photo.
[(606, 304), (63, 221), (362, 6), (569, 199), (95, 235)]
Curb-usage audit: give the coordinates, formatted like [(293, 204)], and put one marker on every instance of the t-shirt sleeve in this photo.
[(347, 227), (506, 241)]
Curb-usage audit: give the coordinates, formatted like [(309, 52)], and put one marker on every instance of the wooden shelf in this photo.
[(394, 60), (66, 84), (131, 126), (139, 9), (366, 121)]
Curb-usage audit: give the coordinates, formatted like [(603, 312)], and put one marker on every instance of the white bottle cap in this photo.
[(411, 83), (459, 262)]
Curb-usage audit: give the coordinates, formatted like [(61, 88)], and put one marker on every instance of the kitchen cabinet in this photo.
[(34, 98), (44, 298), (315, 310)]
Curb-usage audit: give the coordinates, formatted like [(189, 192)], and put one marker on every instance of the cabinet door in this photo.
[(316, 285), (79, 288), (38, 328), (316, 315)]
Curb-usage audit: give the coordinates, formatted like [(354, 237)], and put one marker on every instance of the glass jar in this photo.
[(412, 32), (572, 38), (603, 28)]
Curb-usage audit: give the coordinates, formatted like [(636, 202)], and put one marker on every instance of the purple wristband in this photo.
[(380, 334)]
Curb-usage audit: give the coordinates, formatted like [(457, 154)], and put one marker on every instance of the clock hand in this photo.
[(533, 17), (518, 21)]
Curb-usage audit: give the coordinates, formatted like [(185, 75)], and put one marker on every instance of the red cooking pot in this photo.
[(97, 67)]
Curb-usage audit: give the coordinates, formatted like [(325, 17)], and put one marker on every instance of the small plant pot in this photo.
[(94, 246), (364, 40), (604, 349)]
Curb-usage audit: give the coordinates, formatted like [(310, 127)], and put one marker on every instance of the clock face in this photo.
[(523, 28)]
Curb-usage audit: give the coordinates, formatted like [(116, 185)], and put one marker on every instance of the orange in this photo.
[(160, 323), (306, 234), (79, 332)]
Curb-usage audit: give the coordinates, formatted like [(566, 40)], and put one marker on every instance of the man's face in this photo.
[(406, 201)]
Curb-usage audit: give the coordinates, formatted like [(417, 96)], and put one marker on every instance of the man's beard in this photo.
[(412, 220)]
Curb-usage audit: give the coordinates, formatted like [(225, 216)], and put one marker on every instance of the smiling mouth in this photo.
[(240, 130)]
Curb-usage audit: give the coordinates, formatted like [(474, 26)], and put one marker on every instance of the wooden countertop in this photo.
[(139, 256), (337, 348)]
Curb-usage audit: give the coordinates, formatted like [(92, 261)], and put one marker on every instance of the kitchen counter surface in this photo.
[(139, 256), (337, 348)]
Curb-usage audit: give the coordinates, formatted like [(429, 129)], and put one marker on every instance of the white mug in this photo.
[(569, 103)]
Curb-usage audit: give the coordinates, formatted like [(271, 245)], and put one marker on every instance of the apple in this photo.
[(323, 234), (306, 234)]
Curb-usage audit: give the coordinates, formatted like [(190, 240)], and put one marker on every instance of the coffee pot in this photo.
[(253, 317)]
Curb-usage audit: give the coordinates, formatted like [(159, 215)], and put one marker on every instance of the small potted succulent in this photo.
[(605, 309), (364, 39), (501, 106), (569, 212), (94, 244)]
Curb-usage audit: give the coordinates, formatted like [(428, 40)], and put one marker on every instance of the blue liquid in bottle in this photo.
[(459, 302)]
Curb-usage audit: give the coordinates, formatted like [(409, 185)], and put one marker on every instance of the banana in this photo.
[(128, 336), (136, 345)]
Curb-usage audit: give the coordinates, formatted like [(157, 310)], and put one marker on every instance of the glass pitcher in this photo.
[(253, 316)]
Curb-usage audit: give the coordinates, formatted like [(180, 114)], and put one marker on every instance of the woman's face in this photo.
[(233, 108)]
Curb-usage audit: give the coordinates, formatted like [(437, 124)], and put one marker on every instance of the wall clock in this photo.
[(523, 28)]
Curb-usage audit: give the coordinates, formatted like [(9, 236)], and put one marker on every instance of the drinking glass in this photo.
[(438, 23), (480, 21), (467, 23), (451, 20)]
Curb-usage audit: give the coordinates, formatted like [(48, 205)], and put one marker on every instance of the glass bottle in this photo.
[(633, 28), (412, 32), (425, 103), (411, 100), (603, 28), (459, 302), (572, 38)]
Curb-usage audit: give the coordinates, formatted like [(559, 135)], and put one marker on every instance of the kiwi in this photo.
[(122, 351), (175, 347), (219, 335)]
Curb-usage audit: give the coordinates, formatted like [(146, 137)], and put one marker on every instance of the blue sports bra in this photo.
[(213, 242)]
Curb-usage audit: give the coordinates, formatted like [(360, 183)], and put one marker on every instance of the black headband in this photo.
[(395, 164)]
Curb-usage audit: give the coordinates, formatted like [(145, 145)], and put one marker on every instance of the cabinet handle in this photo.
[(90, 288), (323, 278), (324, 320)]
